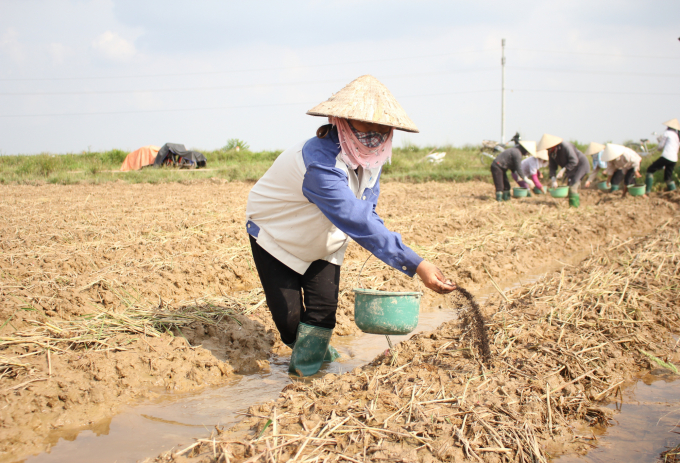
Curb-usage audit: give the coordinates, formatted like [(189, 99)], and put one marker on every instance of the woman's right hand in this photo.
[(433, 278)]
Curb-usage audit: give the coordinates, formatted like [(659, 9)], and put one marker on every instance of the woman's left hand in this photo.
[(434, 279)]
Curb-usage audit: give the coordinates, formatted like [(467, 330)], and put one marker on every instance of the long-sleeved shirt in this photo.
[(628, 160), (670, 144), (566, 155), (511, 159), (530, 168), (598, 165), (309, 202)]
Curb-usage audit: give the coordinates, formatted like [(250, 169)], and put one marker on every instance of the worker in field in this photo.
[(531, 169), (669, 143), (595, 151), (623, 164), (318, 196), (564, 154), (510, 159)]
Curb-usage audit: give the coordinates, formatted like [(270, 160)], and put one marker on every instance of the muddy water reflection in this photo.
[(148, 429), (648, 423)]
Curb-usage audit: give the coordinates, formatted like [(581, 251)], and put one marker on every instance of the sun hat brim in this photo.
[(366, 99), (548, 141), (594, 148)]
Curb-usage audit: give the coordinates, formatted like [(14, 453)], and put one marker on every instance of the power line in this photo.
[(221, 107), (576, 71), (595, 92), (234, 71), (226, 87), (595, 54)]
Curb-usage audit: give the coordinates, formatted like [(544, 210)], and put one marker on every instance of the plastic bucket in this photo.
[(385, 312), (559, 192), (636, 190), (519, 192), (603, 186)]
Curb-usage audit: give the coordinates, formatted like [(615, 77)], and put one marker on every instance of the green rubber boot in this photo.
[(614, 188), (574, 201), (537, 191), (332, 353), (309, 352), (506, 196), (649, 182), (499, 196), (670, 185)]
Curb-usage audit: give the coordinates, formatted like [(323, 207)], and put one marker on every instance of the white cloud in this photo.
[(114, 47), (9, 45)]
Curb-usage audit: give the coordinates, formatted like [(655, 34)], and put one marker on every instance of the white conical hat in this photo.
[(612, 152), (548, 141), (594, 148), (530, 146), (673, 124), (542, 154), (366, 99)]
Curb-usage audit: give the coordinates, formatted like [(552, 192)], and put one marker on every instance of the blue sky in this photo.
[(103, 74)]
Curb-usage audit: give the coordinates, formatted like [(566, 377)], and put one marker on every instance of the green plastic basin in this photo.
[(603, 186), (559, 192), (636, 190), (386, 312), (519, 192)]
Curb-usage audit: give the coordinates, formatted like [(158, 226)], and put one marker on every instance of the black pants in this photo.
[(628, 177), (662, 163), (500, 177), (292, 298)]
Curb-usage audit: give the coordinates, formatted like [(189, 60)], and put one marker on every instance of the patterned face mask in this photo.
[(369, 139)]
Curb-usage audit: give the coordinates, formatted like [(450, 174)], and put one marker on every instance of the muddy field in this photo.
[(114, 292)]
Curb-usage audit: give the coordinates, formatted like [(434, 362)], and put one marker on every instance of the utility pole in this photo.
[(502, 90)]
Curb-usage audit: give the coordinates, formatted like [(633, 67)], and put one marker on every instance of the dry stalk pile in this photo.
[(559, 348), (110, 331)]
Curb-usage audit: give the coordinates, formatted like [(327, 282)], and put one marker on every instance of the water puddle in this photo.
[(647, 423), (150, 428), (175, 419)]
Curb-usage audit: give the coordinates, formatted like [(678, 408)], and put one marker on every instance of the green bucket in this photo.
[(519, 192), (559, 192), (636, 190), (603, 186), (386, 312)]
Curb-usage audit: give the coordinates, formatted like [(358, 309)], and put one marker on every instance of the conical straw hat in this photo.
[(530, 146), (542, 154), (366, 99), (548, 141), (612, 152), (594, 148), (673, 124)]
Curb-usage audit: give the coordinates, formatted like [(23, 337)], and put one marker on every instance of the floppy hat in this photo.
[(612, 152), (366, 99), (594, 148), (542, 154), (548, 141), (530, 146), (673, 124)]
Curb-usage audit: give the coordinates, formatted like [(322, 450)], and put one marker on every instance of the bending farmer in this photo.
[(622, 164), (316, 196), (510, 159), (531, 169), (595, 151), (565, 154), (669, 143)]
